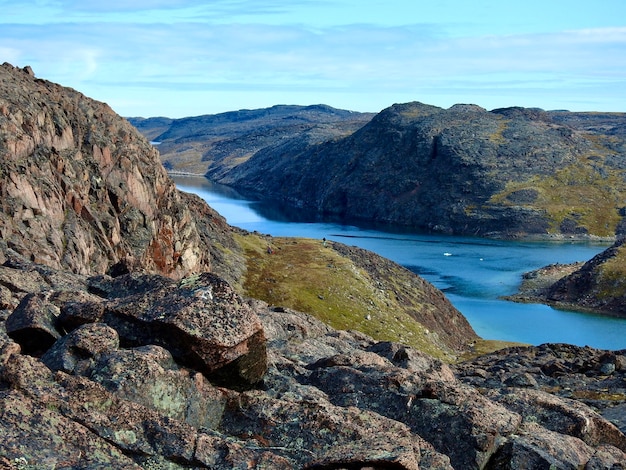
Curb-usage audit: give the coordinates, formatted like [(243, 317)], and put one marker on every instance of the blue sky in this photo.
[(185, 58)]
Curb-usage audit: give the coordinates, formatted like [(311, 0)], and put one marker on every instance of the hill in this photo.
[(464, 170), (598, 285), (511, 172), (222, 141)]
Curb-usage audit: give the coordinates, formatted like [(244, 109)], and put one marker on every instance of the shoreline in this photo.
[(529, 237), (535, 285)]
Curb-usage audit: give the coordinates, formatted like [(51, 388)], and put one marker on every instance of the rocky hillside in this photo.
[(222, 141), (350, 288), (135, 362), (599, 285), (82, 190), (464, 170), (141, 371)]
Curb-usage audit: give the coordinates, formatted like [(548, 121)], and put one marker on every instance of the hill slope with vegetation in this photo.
[(464, 170), (222, 141), (598, 285)]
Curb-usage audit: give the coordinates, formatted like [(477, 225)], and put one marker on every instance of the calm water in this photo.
[(472, 272)]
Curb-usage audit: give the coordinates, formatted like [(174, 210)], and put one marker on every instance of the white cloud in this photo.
[(233, 50)]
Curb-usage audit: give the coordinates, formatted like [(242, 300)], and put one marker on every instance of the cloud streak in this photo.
[(217, 57)]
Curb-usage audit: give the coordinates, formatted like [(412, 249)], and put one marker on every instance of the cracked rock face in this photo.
[(82, 190)]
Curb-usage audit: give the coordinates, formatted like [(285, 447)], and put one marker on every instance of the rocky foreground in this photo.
[(125, 344), (141, 371)]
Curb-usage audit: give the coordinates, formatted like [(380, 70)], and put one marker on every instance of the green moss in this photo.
[(304, 275), (606, 395), (611, 277), (587, 194), (125, 436), (497, 136), (481, 347)]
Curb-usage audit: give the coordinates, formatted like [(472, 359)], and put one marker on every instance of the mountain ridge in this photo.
[(464, 170), (509, 172), (194, 144)]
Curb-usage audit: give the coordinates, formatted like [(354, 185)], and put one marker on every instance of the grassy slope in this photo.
[(588, 192), (304, 275), (611, 277)]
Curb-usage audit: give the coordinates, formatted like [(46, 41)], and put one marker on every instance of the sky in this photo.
[(182, 58)]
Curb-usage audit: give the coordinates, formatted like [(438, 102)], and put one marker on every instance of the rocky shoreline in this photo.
[(536, 284), (594, 286)]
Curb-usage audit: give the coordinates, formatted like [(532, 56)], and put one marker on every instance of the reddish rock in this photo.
[(561, 415), (537, 447), (322, 435), (84, 191)]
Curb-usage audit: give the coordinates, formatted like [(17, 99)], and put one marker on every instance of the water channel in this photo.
[(472, 272)]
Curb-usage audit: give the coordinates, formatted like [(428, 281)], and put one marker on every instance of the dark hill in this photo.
[(508, 172), (599, 285)]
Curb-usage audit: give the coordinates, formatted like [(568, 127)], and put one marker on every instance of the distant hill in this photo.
[(464, 170), (222, 141)]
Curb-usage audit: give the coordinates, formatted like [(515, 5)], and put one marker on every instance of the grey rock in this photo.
[(149, 376), (75, 352), (521, 380), (33, 324)]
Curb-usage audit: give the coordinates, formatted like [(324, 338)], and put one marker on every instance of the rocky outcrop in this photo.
[(464, 170), (598, 285), (323, 399), (82, 190)]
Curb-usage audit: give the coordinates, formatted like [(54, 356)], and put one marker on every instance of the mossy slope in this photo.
[(313, 277)]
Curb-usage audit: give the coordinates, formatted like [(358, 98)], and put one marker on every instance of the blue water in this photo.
[(472, 272)]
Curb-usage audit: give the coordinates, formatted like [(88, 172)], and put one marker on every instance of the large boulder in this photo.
[(201, 320), (33, 323)]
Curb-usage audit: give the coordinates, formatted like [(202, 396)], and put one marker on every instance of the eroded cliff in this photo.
[(82, 190)]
